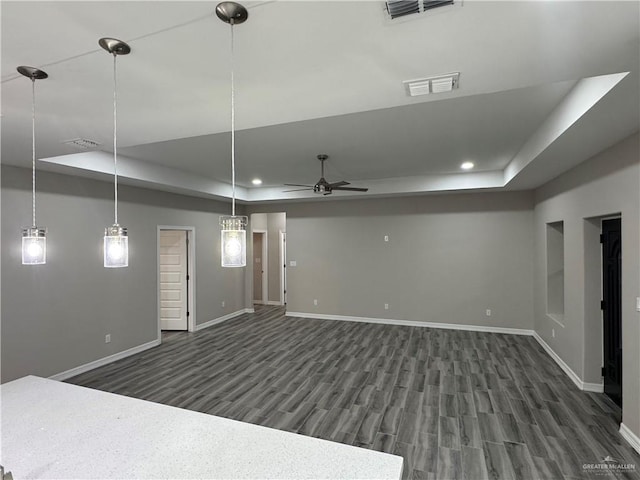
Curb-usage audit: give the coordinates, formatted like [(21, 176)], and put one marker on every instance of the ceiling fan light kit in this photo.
[(34, 239), (116, 239), (233, 236)]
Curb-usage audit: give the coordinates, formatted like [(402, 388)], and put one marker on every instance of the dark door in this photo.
[(612, 307)]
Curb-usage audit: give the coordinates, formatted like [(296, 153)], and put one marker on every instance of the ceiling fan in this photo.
[(322, 186)]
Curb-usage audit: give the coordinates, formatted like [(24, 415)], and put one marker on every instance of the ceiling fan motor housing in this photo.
[(322, 187)]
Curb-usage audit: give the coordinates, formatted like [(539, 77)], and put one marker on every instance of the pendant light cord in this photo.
[(233, 132), (33, 151), (115, 140)]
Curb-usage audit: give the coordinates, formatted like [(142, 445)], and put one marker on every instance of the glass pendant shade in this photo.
[(116, 247), (34, 246), (233, 241)]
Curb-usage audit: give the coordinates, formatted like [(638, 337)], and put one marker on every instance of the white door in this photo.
[(173, 280)]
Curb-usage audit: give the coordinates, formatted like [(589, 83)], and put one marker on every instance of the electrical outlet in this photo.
[(386, 306), (553, 333), (293, 263), (488, 312), (222, 303), (315, 301), (386, 238), (107, 338)]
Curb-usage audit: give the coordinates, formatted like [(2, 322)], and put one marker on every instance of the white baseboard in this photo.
[(224, 318), (561, 363), (593, 387), (104, 361), (413, 323), (587, 387), (140, 348), (630, 437), (274, 302)]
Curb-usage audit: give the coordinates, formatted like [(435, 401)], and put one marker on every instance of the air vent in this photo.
[(437, 84), (400, 8), (82, 143)]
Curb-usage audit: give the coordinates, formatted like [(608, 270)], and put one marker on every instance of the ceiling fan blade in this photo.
[(351, 189), (297, 190), (339, 184), (297, 185)]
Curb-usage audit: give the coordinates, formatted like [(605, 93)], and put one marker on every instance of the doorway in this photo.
[(268, 281), (260, 267), (611, 240), (175, 278)]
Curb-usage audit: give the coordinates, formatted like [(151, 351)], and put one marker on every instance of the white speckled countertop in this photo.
[(56, 430)]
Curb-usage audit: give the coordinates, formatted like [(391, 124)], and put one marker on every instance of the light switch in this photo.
[(293, 263), (386, 238), (638, 304)]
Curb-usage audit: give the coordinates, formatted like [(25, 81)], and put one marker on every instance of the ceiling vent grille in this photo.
[(400, 8), (82, 143), (437, 84)]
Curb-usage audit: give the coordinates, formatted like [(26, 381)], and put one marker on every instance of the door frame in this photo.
[(191, 282), (265, 265), (283, 267)]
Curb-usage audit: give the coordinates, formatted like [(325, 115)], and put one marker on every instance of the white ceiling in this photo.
[(323, 77)]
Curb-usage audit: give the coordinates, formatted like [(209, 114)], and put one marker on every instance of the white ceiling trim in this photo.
[(586, 93), (136, 172)]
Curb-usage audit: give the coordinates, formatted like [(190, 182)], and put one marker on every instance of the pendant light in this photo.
[(233, 235), (34, 239), (116, 241)]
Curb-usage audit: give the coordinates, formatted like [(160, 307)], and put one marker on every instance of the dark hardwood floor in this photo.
[(455, 404)]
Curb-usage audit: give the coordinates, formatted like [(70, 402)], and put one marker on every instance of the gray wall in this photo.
[(604, 185), (55, 316), (448, 259)]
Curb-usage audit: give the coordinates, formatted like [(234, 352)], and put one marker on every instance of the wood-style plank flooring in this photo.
[(455, 404)]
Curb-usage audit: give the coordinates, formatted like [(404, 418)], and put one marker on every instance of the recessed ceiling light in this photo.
[(256, 181), (467, 165)]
